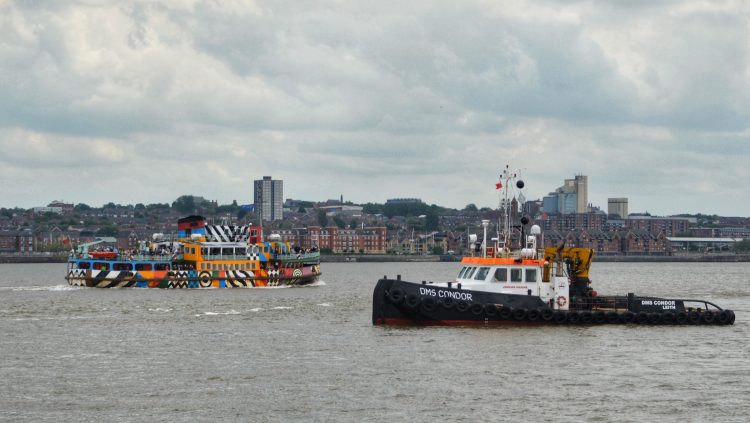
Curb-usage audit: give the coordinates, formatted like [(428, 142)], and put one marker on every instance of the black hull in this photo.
[(397, 302)]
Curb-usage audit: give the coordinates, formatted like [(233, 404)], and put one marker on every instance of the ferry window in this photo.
[(214, 267), (240, 251), (215, 251), (530, 275), (121, 266), (161, 266), (482, 273), (101, 266), (501, 275), (84, 265), (515, 275), (470, 273), (227, 251), (253, 266), (143, 266), (204, 251)]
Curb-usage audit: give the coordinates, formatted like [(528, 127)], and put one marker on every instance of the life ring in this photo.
[(561, 301), (204, 279)]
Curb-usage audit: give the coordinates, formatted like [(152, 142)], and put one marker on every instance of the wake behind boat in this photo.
[(202, 256), (528, 286)]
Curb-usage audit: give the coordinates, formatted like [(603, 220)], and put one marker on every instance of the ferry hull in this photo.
[(188, 279), (400, 303)]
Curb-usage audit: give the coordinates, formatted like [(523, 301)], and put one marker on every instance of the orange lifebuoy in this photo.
[(561, 301)]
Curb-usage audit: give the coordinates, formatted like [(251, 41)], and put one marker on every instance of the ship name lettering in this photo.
[(428, 291), (455, 295)]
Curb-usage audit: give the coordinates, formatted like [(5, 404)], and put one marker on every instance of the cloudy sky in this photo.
[(135, 101)]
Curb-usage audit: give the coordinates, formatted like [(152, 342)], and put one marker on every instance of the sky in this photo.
[(141, 102)]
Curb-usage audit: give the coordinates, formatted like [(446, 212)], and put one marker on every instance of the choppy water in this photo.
[(311, 354)]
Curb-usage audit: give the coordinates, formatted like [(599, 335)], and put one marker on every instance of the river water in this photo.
[(311, 354)]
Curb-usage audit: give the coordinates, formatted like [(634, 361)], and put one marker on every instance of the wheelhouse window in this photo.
[(461, 273), (161, 266), (470, 273), (84, 265), (516, 275), (501, 274), (482, 273), (530, 275), (101, 266), (143, 266)]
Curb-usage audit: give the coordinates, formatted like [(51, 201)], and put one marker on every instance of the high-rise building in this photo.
[(617, 208), (269, 199), (570, 198)]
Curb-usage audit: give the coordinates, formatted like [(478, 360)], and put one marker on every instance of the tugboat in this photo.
[(202, 256), (528, 286)]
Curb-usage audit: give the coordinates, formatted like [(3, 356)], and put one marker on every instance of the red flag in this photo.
[(498, 185)]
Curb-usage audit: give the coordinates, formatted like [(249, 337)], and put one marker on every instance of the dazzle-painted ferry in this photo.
[(202, 256), (528, 286)]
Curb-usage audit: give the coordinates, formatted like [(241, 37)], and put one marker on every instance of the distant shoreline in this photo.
[(391, 258)]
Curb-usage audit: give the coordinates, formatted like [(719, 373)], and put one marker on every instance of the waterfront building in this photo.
[(269, 199), (617, 208)]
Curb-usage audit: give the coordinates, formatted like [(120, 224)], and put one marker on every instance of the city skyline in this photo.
[(375, 101)]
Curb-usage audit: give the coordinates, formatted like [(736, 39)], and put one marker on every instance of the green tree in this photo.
[(184, 204), (339, 222), (743, 246), (471, 207), (437, 250), (322, 218)]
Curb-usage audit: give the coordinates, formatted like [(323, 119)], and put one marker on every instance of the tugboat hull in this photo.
[(397, 302)]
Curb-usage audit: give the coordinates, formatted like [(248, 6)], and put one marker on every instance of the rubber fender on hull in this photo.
[(520, 314), (412, 301), (534, 314), (429, 304), (505, 312), (490, 310), (396, 295), (448, 303), (462, 305)]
